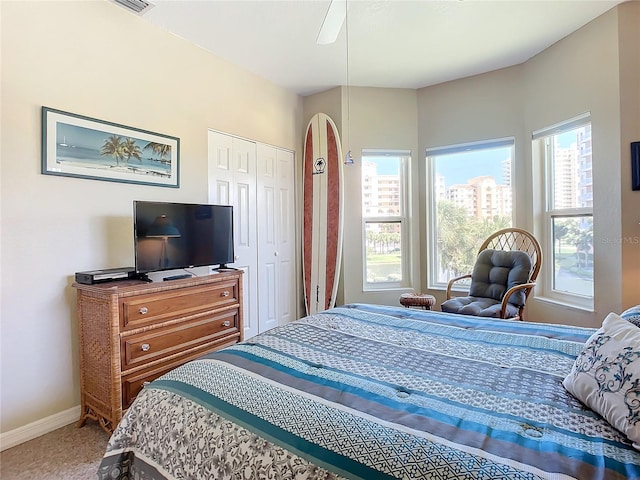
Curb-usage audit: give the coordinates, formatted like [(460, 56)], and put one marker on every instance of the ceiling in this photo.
[(391, 43)]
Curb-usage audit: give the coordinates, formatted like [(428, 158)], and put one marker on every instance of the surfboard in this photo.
[(322, 213)]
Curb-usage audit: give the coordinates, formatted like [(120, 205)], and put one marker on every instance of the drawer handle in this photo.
[(145, 347), (225, 293), (144, 384), (226, 323), (143, 310)]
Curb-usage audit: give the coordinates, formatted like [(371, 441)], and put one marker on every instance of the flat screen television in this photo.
[(170, 236)]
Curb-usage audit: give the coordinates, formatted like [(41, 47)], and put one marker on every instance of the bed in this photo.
[(374, 392)]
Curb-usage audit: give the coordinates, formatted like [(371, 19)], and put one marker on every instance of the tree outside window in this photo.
[(565, 152), (470, 198), (384, 180)]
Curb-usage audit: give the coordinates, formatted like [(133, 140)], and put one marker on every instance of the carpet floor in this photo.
[(68, 453)]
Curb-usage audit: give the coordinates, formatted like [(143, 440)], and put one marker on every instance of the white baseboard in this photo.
[(38, 428)]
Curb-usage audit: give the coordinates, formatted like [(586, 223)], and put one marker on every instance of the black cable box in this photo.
[(106, 275), (177, 277)]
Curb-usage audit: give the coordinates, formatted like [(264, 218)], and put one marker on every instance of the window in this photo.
[(384, 217), (470, 197), (564, 150)]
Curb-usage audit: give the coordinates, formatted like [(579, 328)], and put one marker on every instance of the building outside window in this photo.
[(469, 198), (384, 216), (564, 151)]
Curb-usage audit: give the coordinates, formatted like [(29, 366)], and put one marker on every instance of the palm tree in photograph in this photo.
[(114, 146), (160, 149), (132, 150)]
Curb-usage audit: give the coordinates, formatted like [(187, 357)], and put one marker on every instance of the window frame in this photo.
[(431, 211), (404, 157), (542, 150)]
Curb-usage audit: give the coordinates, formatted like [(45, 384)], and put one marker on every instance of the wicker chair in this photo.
[(505, 300)]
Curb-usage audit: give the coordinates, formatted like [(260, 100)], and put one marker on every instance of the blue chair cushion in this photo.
[(496, 271), (480, 307)]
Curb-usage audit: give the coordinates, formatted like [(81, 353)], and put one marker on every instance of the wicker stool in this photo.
[(418, 300)]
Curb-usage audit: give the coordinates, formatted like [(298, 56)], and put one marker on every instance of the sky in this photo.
[(458, 168), (386, 165)]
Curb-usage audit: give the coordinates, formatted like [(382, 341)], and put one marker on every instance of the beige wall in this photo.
[(379, 118), (481, 107), (576, 75), (585, 72), (581, 74), (385, 119), (97, 59), (629, 39), (329, 102)]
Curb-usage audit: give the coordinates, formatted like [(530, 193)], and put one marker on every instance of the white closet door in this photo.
[(276, 236), (268, 271), (232, 181), (287, 287)]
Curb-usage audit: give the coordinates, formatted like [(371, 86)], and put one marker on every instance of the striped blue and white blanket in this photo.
[(372, 392)]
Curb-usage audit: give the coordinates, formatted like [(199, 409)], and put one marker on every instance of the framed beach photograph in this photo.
[(78, 146)]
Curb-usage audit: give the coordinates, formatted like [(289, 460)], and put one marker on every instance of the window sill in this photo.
[(560, 303), (463, 292), (386, 288)]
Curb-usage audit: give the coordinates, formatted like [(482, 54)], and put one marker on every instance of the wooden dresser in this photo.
[(131, 332)]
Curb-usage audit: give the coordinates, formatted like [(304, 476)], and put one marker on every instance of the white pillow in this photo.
[(632, 315), (606, 375)]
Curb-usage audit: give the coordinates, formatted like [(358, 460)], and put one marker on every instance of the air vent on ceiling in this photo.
[(136, 6)]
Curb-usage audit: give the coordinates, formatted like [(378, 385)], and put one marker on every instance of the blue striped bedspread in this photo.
[(373, 392)]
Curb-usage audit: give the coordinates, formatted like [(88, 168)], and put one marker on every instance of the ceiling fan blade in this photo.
[(332, 23)]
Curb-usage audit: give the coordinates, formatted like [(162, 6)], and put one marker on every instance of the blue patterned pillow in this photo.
[(632, 315), (606, 375)]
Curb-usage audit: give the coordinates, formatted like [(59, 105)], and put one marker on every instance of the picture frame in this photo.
[(635, 165), (84, 147)]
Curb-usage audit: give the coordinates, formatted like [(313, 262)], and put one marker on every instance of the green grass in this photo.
[(383, 258), (384, 267), (569, 262)]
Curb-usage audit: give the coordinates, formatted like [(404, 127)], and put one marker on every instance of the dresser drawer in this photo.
[(160, 343), (132, 384), (150, 309), (132, 332)]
